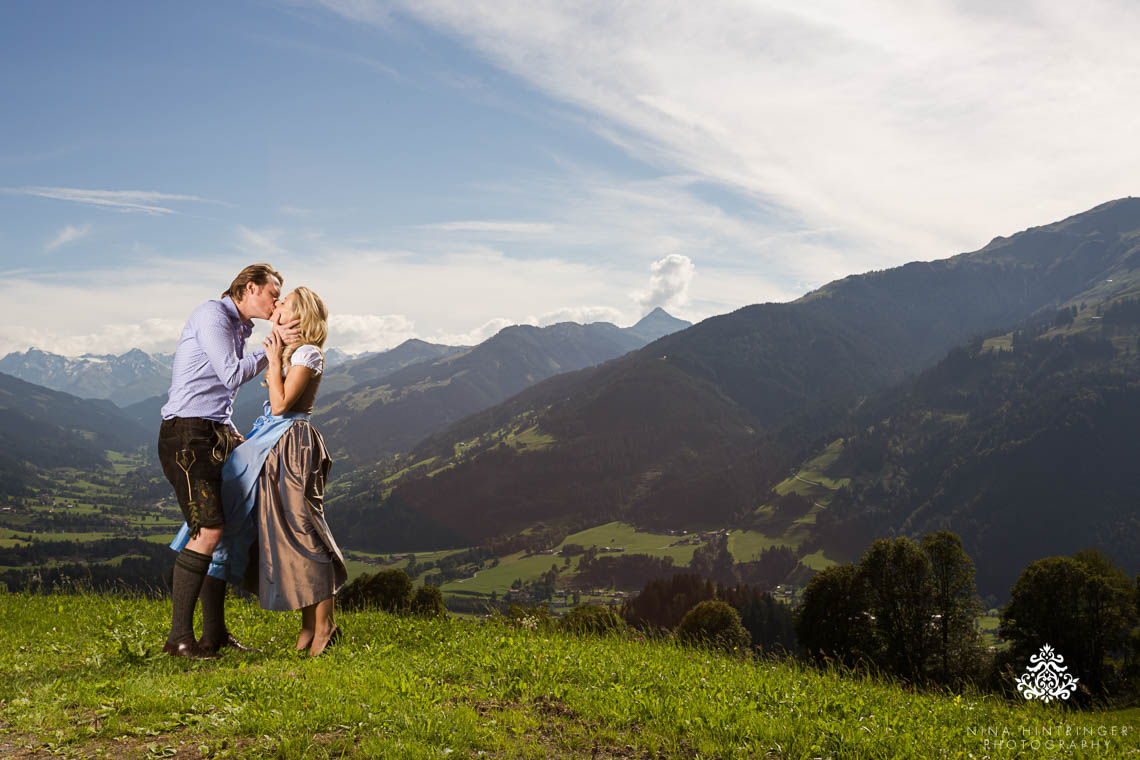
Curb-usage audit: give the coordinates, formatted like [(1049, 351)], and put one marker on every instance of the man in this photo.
[(197, 436)]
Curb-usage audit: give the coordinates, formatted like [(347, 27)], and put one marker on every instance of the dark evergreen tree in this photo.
[(664, 601), (714, 561)]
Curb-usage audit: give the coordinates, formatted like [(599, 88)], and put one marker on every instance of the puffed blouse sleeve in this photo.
[(309, 356)]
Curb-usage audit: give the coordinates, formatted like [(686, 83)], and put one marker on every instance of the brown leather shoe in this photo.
[(230, 642), (189, 648)]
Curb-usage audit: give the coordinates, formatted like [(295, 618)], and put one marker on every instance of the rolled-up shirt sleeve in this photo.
[(216, 339)]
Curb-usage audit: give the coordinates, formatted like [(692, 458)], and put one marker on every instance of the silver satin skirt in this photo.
[(298, 559)]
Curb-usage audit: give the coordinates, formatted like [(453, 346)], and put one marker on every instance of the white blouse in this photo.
[(309, 356)]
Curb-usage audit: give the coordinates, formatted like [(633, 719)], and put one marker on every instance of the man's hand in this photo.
[(288, 333)]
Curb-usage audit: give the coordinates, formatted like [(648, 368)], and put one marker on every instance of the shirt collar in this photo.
[(232, 310)]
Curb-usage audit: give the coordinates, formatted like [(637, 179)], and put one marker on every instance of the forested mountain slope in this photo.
[(700, 425)]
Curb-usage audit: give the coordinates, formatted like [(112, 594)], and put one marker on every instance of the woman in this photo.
[(277, 478)]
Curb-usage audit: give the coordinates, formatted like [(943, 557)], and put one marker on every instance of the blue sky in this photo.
[(440, 169)]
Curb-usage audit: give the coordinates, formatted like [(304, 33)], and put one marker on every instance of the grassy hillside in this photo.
[(83, 679)]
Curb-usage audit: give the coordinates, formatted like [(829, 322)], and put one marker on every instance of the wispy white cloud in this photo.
[(157, 335), (69, 234), (259, 242), (359, 10), (377, 297), (911, 130), (632, 222), (331, 53), (494, 227), (142, 201)]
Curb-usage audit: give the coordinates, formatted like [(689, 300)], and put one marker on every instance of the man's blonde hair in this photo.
[(258, 274), (314, 321)]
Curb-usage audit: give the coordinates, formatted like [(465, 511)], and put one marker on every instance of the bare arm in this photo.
[(283, 393)]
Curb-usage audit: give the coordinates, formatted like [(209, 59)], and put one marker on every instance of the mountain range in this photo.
[(395, 411), (704, 426), (45, 427), (123, 379)]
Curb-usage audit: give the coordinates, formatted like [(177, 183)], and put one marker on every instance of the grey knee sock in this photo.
[(189, 570), (213, 596)]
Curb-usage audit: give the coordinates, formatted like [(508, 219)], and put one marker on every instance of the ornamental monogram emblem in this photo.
[(1045, 678)]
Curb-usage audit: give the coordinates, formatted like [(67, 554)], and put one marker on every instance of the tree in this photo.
[(956, 605), (1083, 606), (390, 590), (428, 602), (770, 622), (714, 561), (833, 621), (663, 602), (714, 623), (898, 577)]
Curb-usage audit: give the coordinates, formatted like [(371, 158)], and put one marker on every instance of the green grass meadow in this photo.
[(84, 677)]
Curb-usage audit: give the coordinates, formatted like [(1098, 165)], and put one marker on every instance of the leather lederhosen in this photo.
[(192, 451)]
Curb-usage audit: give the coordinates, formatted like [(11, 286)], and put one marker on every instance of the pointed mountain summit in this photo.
[(657, 324)]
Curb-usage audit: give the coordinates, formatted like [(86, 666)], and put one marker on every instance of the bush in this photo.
[(389, 590), (592, 618), (428, 602), (714, 623)]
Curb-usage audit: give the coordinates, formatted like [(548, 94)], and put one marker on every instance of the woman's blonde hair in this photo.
[(314, 326)]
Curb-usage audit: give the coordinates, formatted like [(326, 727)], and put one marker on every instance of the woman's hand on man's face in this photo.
[(288, 332)]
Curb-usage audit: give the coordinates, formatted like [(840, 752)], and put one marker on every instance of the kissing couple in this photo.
[(254, 506)]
